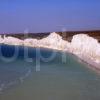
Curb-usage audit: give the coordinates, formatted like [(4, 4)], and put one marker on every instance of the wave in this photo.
[(4, 85)]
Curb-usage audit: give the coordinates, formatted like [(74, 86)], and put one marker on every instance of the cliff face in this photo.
[(81, 44), (1, 39), (69, 35), (55, 41), (65, 35), (87, 46)]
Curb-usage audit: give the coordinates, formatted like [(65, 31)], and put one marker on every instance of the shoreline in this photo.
[(90, 63)]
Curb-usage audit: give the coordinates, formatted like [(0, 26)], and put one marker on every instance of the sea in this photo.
[(43, 74)]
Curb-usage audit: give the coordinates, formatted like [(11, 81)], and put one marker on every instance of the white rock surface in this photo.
[(1, 39), (87, 46), (81, 44), (31, 42), (54, 41), (12, 41)]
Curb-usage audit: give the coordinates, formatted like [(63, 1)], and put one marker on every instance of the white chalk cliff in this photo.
[(54, 41), (87, 46), (1, 39), (12, 41), (81, 44), (30, 42)]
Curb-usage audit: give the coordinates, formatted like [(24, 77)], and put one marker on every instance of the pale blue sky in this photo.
[(49, 15)]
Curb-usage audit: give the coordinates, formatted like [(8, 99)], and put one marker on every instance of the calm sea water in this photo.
[(57, 79)]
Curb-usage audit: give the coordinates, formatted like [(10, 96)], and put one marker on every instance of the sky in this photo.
[(37, 16)]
